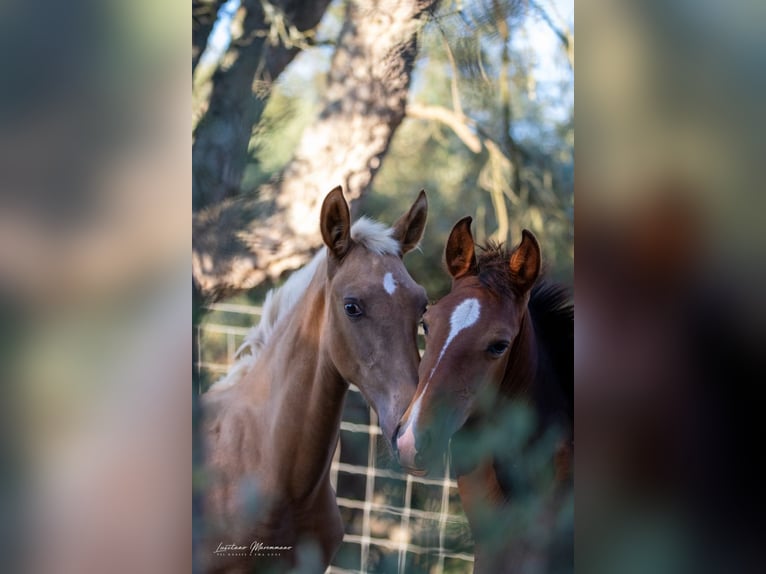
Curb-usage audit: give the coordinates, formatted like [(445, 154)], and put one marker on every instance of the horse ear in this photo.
[(408, 229), (335, 223), (525, 262), (459, 253)]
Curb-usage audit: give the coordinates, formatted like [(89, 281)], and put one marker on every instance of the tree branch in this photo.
[(243, 242), (470, 133), (460, 124), (564, 34)]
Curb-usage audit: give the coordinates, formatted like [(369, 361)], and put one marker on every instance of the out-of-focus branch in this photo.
[(462, 125), (456, 105), (496, 176), (563, 32), (470, 133)]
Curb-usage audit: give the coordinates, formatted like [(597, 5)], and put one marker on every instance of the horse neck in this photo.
[(530, 376), (307, 395)]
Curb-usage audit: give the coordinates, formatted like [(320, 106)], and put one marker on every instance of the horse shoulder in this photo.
[(233, 451)]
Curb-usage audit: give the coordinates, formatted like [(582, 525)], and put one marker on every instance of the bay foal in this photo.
[(350, 316), (497, 340)]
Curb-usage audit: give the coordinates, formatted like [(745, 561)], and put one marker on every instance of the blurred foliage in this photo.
[(459, 69), (286, 115)]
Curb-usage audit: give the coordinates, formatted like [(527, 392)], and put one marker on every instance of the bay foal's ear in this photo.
[(335, 223), (408, 229), (525, 262), (459, 252)]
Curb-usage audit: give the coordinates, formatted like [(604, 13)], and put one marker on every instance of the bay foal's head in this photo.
[(470, 335), (374, 306)]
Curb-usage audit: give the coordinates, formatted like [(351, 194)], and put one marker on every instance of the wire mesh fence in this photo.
[(394, 522)]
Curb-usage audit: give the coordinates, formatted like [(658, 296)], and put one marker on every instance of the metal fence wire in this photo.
[(394, 522)]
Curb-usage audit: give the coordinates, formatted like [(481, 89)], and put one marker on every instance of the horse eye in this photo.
[(352, 309), (498, 348)]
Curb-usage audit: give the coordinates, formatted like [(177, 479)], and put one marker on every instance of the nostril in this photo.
[(395, 436)]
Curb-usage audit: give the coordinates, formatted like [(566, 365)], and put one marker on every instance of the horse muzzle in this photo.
[(409, 449)]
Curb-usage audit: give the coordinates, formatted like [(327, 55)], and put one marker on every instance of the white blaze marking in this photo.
[(408, 437), (389, 284), (463, 316)]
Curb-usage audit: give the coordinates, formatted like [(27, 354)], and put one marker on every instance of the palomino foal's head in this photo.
[(374, 306), (470, 335)]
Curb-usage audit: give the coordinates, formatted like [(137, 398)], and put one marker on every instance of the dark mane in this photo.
[(550, 306), (552, 311)]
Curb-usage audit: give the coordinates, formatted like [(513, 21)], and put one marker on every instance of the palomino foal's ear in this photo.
[(459, 252), (335, 223), (525, 262), (408, 229)]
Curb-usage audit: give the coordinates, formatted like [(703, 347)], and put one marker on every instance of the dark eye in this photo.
[(352, 309), (425, 327), (498, 348)]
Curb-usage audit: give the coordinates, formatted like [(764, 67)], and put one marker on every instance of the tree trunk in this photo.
[(364, 104), (204, 14), (258, 53)]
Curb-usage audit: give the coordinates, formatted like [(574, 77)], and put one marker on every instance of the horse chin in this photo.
[(420, 464), (420, 472)]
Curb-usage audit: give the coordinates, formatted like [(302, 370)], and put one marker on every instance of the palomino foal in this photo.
[(496, 339), (350, 316)]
